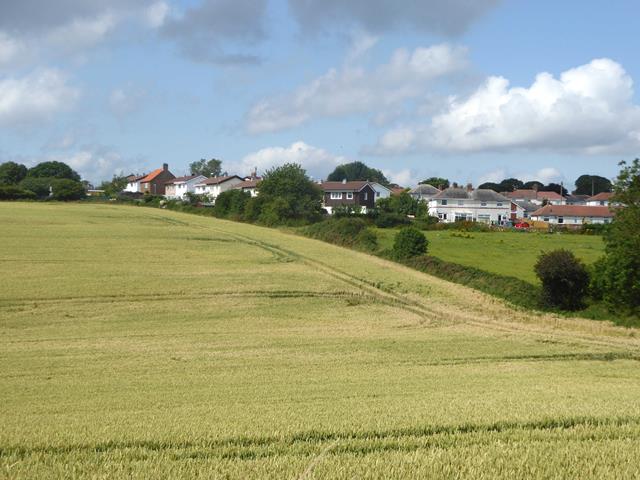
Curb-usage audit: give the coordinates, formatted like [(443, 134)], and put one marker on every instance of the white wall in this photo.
[(469, 210)]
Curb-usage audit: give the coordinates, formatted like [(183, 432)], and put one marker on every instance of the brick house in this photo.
[(359, 195), (154, 183)]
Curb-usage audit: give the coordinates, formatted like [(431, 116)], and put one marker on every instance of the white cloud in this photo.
[(156, 14), (544, 175), (404, 177), (126, 100), (98, 162), (354, 89), (35, 98), (317, 161), (10, 48), (589, 109), (82, 32)]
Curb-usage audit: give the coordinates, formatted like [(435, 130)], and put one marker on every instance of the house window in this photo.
[(366, 195), (483, 204), (444, 202), (377, 194), (336, 195), (442, 216), (545, 219), (484, 218), (560, 219), (499, 204), (460, 202), (349, 195)]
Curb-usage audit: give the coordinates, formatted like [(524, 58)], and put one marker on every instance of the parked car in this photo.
[(522, 225)]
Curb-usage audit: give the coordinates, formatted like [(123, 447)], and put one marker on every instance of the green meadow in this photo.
[(513, 254), (142, 343)]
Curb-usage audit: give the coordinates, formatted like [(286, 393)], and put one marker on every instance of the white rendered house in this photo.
[(459, 204), (214, 186), (573, 214), (179, 187)]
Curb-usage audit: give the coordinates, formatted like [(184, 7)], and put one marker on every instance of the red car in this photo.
[(522, 225)]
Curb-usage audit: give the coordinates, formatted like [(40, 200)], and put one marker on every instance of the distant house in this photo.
[(214, 186), (180, 186), (602, 199), (572, 214), (576, 199), (535, 196), (424, 192), (154, 183), (527, 208), (249, 185), (381, 190), (481, 205), (396, 189), (133, 183), (359, 195)]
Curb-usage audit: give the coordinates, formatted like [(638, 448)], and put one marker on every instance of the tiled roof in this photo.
[(573, 211), (425, 189), (601, 197), (534, 195), (248, 183), (152, 175), (480, 194), (219, 180), (354, 186)]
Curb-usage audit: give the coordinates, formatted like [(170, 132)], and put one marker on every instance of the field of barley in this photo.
[(141, 343)]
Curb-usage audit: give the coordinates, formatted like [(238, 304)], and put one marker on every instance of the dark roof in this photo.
[(425, 189), (248, 183), (354, 186), (534, 195), (219, 180), (600, 197), (573, 211), (480, 194), (576, 198)]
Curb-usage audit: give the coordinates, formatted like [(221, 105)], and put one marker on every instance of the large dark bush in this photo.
[(409, 242), (565, 279), (64, 189), (40, 186), (231, 204), (11, 192), (12, 173), (390, 220), (53, 170), (345, 231)]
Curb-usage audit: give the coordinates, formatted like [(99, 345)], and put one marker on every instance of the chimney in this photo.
[(344, 180), (165, 166), (469, 187)]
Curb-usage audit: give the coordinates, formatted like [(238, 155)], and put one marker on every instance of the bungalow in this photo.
[(572, 214), (424, 192), (216, 185), (381, 190), (602, 199), (154, 182), (535, 196), (133, 183), (180, 186), (359, 195), (576, 199), (481, 205)]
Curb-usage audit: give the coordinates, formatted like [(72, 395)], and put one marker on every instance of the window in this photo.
[(483, 204), (484, 218), (377, 194), (442, 216), (545, 219), (349, 195), (336, 195), (366, 196), (560, 219), (460, 202), (444, 202), (499, 204)]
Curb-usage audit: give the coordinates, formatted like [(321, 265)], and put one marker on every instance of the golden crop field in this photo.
[(141, 343)]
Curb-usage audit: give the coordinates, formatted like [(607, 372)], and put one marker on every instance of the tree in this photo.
[(115, 186), (409, 242), (510, 184), (533, 184), (65, 189), (592, 185), (554, 187), (231, 203), (288, 195), (617, 274), (437, 182), (53, 170), (491, 186), (357, 171), (403, 204), (41, 187), (208, 168), (12, 173), (565, 279)]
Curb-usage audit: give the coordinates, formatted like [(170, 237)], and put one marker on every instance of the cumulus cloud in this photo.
[(126, 100), (354, 89), (449, 17), (209, 31), (588, 109), (317, 161), (35, 98)]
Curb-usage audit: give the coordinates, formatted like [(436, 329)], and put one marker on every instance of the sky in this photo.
[(473, 91)]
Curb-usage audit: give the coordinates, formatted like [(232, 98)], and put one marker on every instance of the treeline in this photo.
[(47, 180), (585, 185)]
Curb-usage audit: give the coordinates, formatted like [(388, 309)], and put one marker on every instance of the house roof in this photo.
[(135, 178), (219, 180), (425, 189), (600, 197), (528, 206), (576, 198), (533, 195), (573, 211), (481, 194), (182, 179), (151, 175), (248, 183), (354, 186)]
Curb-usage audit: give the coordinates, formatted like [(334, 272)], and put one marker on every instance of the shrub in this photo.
[(390, 220), (409, 242), (12, 173), (64, 189), (564, 278), (53, 170), (40, 186), (11, 192), (346, 231), (231, 204)]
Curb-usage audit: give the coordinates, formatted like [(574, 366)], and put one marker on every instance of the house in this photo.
[(359, 195), (214, 186), (572, 214), (396, 189), (249, 185), (481, 205), (527, 208), (180, 186), (133, 183), (576, 199), (381, 190), (602, 199), (154, 183), (424, 192), (535, 196)]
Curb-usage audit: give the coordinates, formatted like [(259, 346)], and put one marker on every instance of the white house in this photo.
[(180, 186), (424, 192), (381, 190), (602, 199), (536, 197), (572, 214), (214, 186), (480, 205), (133, 183), (249, 185)]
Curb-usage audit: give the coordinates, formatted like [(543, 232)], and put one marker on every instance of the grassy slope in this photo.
[(505, 253), (139, 343)]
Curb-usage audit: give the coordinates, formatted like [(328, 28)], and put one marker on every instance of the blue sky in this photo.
[(473, 91)]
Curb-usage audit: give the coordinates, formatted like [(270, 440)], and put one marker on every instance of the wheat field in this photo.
[(141, 343)]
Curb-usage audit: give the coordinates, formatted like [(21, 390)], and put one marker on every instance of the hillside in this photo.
[(140, 343)]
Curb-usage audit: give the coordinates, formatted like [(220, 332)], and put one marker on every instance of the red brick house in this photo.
[(154, 183)]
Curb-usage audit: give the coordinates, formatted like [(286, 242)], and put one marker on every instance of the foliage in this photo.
[(565, 279), (53, 169), (555, 187), (208, 168), (402, 204), (437, 182), (288, 196), (12, 173), (346, 231), (114, 186), (65, 189), (618, 274), (390, 220), (231, 204), (194, 199), (506, 185), (533, 184), (40, 186), (409, 242), (357, 171), (13, 192), (592, 185)]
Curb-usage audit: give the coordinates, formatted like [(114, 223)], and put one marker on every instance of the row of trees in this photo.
[(55, 180)]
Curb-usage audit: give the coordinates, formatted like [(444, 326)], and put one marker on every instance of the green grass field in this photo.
[(506, 253), (140, 343)]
